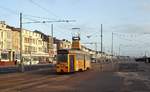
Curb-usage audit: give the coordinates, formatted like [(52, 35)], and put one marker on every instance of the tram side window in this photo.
[(4, 56), (80, 56), (87, 57), (77, 57), (62, 57)]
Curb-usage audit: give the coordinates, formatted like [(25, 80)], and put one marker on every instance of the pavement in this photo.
[(106, 77), (17, 68)]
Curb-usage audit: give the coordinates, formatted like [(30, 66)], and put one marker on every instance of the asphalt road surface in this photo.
[(106, 77)]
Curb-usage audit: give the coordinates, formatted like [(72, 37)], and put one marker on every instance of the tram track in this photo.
[(24, 80), (35, 80), (30, 84)]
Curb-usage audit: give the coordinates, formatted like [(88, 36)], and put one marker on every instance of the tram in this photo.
[(73, 60)]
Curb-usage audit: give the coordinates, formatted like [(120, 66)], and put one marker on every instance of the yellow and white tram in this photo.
[(72, 60)]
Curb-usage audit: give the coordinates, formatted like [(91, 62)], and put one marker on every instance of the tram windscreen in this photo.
[(62, 57)]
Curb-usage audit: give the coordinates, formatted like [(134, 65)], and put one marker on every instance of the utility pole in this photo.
[(52, 29), (30, 37), (21, 59), (145, 54), (96, 46), (112, 44), (52, 42), (119, 49), (146, 60), (101, 39)]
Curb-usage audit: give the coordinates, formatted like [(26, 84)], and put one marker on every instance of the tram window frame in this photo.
[(62, 60), (77, 57), (87, 57), (80, 56)]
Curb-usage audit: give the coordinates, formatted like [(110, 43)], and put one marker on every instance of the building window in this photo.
[(2, 45), (35, 49), (8, 35), (26, 48), (25, 40), (39, 42), (33, 41), (2, 34), (4, 56), (2, 25), (36, 41), (40, 49)]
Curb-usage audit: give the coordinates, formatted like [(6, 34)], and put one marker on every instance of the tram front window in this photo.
[(62, 57)]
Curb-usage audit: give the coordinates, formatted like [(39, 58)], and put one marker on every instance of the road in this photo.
[(133, 77)]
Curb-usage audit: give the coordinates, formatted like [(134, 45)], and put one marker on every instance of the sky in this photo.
[(129, 20)]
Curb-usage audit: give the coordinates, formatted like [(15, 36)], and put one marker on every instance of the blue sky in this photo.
[(128, 19)]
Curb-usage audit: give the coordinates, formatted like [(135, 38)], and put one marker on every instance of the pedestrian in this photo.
[(15, 62)]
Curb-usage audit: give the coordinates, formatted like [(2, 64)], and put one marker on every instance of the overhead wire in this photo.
[(43, 8), (136, 41), (27, 16), (38, 17), (30, 19), (9, 10)]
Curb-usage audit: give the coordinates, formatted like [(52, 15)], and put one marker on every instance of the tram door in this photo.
[(71, 59)]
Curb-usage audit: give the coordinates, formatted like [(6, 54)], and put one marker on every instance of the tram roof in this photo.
[(67, 51)]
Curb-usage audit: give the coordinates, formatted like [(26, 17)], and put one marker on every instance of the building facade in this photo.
[(62, 44), (5, 42), (66, 44), (48, 46), (15, 41), (34, 46)]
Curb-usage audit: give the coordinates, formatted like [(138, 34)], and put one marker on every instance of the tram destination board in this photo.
[(63, 51)]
